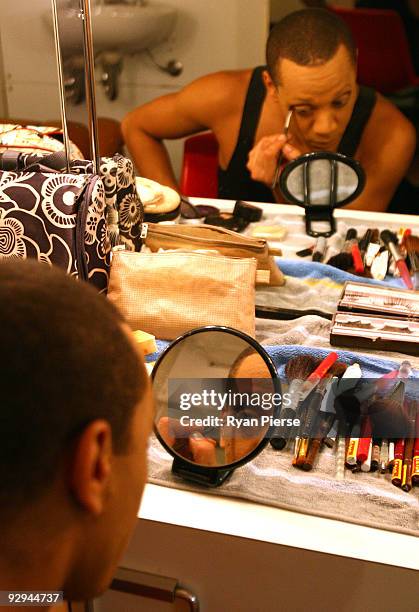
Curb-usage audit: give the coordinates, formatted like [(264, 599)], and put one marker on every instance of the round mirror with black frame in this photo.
[(321, 182), (217, 395)]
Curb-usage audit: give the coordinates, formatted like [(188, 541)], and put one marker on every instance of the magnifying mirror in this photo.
[(216, 395), (321, 182)]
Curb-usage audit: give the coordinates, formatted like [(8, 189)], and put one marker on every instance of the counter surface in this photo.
[(252, 521)]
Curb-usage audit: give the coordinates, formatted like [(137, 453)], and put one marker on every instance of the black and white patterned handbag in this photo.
[(67, 214), (66, 219)]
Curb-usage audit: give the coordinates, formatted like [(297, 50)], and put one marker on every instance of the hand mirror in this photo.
[(216, 393), (321, 182)]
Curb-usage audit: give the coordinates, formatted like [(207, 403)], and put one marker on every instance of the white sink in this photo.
[(117, 27)]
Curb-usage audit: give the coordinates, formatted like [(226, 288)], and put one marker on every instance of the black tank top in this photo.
[(235, 182)]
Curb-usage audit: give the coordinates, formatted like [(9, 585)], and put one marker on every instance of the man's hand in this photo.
[(263, 158)]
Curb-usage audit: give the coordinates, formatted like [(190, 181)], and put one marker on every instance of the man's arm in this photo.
[(386, 152), (193, 109)]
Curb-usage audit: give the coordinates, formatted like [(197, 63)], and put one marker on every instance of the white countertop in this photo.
[(252, 521), (244, 519)]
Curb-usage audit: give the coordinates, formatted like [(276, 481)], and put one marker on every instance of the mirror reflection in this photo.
[(209, 390), (135, 68)]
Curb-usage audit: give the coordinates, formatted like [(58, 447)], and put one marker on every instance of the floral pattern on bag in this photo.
[(41, 217), (125, 212)]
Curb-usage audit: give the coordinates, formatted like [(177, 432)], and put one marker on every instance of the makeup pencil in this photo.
[(415, 462), (281, 155), (396, 475)]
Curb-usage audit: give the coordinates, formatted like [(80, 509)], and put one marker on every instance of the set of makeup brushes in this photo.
[(371, 423), (373, 255)]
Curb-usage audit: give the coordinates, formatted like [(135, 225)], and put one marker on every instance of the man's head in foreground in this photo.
[(311, 59), (75, 415)]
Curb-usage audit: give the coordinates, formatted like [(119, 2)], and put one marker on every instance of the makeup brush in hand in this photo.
[(296, 370)]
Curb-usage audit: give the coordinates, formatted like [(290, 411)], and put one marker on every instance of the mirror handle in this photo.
[(319, 214)]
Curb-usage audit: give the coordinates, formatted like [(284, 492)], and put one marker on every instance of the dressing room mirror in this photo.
[(216, 393), (321, 182)]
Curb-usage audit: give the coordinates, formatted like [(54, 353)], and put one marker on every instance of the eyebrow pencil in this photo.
[(281, 155)]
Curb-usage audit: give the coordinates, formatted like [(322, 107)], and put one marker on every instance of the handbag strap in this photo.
[(17, 161)]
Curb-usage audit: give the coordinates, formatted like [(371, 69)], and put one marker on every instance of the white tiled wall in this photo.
[(209, 35)]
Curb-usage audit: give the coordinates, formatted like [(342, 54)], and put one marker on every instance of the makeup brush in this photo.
[(412, 248), (310, 408), (310, 419), (334, 246), (319, 249), (390, 241), (387, 415), (344, 260), (323, 425), (281, 155), (311, 383), (372, 248), (297, 370), (379, 265), (347, 383)]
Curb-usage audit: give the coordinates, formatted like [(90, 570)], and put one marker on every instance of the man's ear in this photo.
[(269, 84), (90, 466)]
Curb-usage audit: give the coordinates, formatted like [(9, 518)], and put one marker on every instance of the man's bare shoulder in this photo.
[(386, 127), (225, 88)]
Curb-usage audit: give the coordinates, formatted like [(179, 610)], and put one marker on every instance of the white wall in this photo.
[(209, 35)]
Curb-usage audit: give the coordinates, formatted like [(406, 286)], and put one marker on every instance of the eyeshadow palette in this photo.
[(375, 317)]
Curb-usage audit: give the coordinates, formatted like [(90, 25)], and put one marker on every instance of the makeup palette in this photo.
[(375, 317)]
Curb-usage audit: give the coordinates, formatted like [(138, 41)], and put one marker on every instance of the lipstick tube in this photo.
[(397, 473)]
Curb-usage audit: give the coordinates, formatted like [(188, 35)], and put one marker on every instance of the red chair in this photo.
[(384, 60), (200, 166)]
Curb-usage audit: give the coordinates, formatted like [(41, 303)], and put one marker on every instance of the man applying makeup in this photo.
[(311, 69)]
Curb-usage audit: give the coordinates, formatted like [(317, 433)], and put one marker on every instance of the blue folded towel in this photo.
[(280, 354), (371, 366), (312, 269)]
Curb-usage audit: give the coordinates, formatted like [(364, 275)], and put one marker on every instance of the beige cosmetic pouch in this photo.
[(169, 293), (224, 241)]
